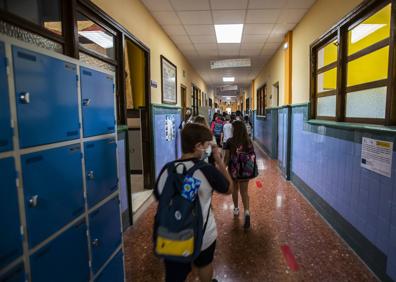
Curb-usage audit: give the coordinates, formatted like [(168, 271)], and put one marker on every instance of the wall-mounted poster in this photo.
[(168, 81)]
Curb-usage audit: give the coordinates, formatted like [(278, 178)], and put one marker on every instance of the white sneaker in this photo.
[(236, 211)]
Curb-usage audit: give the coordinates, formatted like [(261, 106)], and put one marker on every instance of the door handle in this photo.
[(91, 175), (33, 201), (86, 102), (25, 98), (95, 242)]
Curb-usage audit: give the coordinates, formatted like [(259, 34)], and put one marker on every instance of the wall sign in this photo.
[(168, 81), (377, 156), (170, 128)]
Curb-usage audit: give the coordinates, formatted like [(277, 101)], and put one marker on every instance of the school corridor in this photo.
[(288, 240)]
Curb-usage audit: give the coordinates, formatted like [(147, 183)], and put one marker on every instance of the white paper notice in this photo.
[(377, 156)]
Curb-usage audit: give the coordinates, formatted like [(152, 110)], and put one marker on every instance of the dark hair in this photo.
[(215, 115), (192, 134), (240, 137), (247, 120), (200, 119)]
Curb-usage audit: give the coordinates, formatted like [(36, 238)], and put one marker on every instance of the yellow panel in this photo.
[(327, 54), (370, 31), (327, 80), (371, 67), (137, 68)]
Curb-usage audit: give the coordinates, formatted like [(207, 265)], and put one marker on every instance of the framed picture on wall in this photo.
[(168, 82)]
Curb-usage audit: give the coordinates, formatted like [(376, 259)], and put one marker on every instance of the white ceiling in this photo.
[(190, 24)]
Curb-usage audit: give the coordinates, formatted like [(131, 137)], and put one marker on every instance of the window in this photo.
[(261, 97), (45, 13), (95, 39), (247, 104), (351, 80)]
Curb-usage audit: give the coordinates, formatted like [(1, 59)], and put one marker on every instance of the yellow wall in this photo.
[(319, 19), (273, 72), (134, 16)]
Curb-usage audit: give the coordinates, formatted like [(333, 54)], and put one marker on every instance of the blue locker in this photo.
[(97, 93), (114, 271), (105, 231), (16, 274), (10, 236), (46, 98), (53, 188), (100, 169), (64, 259), (5, 115)]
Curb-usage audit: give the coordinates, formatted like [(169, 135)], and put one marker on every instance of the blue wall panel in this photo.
[(114, 271), (265, 132), (64, 259), (97, 94), (100, 169), (53, 179), (50, 114), (5, 115), (328, 161), (105, 232), (11, 239), (165, 150)]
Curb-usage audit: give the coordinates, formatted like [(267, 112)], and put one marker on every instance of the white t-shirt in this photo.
[(211, 180), (227, 131)]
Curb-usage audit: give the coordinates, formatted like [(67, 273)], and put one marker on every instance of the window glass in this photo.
[(326, 106), (368, 68), (327, 81), (370, 103), (370, 31), (327, 54), (46, 13), (94, 37)]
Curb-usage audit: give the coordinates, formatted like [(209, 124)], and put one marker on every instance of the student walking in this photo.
[(241, 160), (184, 189), (217, 129), (227, 129)]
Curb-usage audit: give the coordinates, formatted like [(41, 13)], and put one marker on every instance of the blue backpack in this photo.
[(178, 223)]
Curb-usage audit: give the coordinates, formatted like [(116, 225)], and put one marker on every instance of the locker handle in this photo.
[(86, 102), (25, 98), (33, 201), (91, 175), (95, 242)]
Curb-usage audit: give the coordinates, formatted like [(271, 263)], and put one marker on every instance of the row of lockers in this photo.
[(53, 190), (46, 99), (66, 257)]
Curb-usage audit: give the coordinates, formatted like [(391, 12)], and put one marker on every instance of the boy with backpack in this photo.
[(217, 129), (185, 229)]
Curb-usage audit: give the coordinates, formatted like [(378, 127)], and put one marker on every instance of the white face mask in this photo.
[(206, 153)]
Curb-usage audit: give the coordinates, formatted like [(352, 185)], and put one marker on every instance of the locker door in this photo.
[(5, 116), (11, 239), (46, 98), (64, 259), (97, 93), (101, 169), (16, 274), (53, 190), (114, 271), (105, 231)]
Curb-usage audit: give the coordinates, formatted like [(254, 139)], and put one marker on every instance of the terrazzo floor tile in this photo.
[(280, 216)]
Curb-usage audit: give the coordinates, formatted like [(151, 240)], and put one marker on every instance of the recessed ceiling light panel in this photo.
[(228, 33), (230, 63), (228, 79)]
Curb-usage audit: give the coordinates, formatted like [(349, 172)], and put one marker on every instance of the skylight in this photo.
[(228, 79), (228, 33)]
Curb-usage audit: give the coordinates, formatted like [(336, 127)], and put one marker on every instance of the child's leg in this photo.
[(176, 272), (235, 194), (205, 273), (243, 186)]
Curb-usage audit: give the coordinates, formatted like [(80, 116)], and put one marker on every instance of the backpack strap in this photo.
[(196, 166)]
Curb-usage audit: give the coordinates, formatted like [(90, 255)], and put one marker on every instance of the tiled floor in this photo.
[(281, 217)]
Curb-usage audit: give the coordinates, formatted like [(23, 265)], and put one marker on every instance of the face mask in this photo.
[(206, 153)]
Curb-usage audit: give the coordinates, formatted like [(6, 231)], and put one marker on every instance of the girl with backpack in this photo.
[(217, 129), (242, 166)]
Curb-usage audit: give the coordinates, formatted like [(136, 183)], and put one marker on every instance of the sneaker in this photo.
[(247, 222), (236, 211)]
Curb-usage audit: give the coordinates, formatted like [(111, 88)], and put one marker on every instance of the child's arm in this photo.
[(222, 168)]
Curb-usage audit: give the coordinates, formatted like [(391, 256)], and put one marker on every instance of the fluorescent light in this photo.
[(99, 37), (228, 79), (363, 30), (228, 33), (230, 63)]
